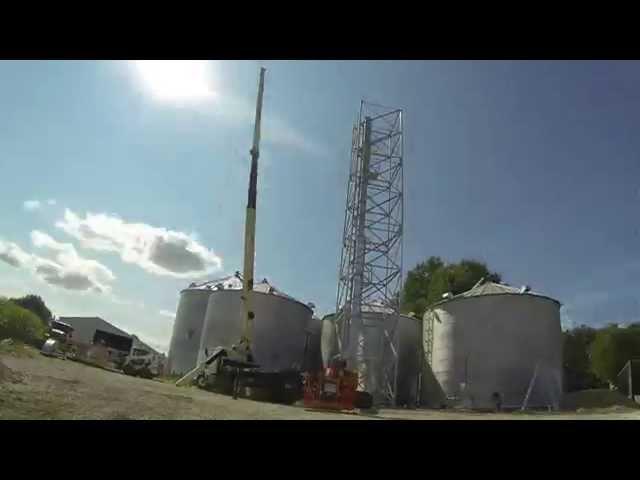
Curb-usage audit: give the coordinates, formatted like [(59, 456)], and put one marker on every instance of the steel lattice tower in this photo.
[(370, 277)]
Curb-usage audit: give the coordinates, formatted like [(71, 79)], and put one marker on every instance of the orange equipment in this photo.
[(334, 388)]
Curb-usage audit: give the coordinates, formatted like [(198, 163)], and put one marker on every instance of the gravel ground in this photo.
[(39, 387), (51, 388)]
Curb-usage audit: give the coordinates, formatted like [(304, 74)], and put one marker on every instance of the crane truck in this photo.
[(233, 369)]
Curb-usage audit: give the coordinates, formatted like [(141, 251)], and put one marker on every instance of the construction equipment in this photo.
[(233, 370), (334, 388), (250, 232)]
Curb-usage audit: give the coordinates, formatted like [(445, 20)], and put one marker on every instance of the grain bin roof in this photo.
[(234, 282), (490, 288)]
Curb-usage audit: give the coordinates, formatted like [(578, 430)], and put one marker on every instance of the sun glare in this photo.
[(176, 79)]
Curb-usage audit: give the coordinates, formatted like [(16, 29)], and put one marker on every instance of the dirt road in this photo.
[(45, 388)]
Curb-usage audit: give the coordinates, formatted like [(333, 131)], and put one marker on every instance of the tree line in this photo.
[(25, 319), (429, 280), (593, 357)]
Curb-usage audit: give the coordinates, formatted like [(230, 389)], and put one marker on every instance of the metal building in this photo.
[(89, 331), (407, 340), (493, 344), (85, 329), (187, 328), (279, 328)]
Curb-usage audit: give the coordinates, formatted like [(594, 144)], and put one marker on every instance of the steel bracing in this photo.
[(370, 271)]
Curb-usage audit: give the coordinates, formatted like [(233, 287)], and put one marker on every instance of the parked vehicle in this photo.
[(58, 343), (141, 363)]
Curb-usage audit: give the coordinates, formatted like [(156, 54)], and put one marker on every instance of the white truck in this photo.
[(142, 362)]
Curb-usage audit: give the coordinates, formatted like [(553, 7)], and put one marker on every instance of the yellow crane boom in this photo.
[(250, 229)]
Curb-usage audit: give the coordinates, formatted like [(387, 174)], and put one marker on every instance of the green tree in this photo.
[(35, 304), (416, 286), (612, 348), (577, 359), (429, 280), (20, 324)]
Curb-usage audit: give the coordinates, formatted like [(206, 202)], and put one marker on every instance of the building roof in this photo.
[(234, 282), (140, 344), (483, 288), (87, 325), (489, 288), (94, 322)]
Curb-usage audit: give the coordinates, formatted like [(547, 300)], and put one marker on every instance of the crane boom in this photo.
[(250, 226)]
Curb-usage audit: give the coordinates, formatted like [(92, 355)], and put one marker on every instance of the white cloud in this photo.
[(31, 205), (66, 269), (159, 345), (278, 132), (123, 301), (167, 313), (12, 254), (70, 270), (156, 250)]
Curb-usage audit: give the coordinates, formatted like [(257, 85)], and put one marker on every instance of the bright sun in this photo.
[(176, 79)]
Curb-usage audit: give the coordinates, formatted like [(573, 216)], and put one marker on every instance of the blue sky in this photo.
[(530, 166)]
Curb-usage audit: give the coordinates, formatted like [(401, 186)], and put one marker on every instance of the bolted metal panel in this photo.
[(187, 329), (488, 344), (329, 339), (279, 328), (313, 360), (407, 337), (370, 271)]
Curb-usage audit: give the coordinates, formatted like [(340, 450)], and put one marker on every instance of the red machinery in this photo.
[(334, 388)]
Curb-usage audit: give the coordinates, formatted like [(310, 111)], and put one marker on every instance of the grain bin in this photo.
[(409, 334), (328, 339), (187, 329), (487, 345), (279, 327), (313, 359), (407, 339)]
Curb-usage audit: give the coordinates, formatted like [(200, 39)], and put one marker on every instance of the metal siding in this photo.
[(328, 339), (187, 330), (85, 328), (409, 360), (279, 327), (314, 354), (409, 350), (493, 343)]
